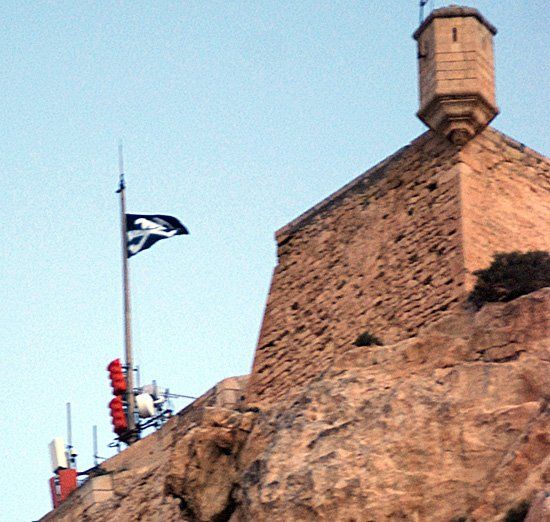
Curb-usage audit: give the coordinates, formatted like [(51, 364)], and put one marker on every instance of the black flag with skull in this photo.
[(143, 231)]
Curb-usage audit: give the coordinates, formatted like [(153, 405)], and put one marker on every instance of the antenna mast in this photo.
[(94, 437), (71, 453)]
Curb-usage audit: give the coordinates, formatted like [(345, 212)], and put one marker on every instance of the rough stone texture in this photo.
[(204, 470), (505, 199), (368, 258), (393, 250), (540, 509), (452, 423)]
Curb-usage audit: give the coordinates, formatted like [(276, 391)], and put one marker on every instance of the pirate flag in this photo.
[(144, 231)]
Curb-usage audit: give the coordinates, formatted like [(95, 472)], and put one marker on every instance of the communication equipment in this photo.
[(58, 456), (145, 405)]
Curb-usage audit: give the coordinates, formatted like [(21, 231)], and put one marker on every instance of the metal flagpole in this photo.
[(127, 309)]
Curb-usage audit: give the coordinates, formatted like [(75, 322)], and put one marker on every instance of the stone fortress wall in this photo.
[(505, 199), (393, 250), (396, 248)]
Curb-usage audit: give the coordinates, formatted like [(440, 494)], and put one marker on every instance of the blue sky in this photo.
[(236, 117)]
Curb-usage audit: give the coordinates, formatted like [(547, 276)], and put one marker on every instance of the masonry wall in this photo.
[(505, 199), (464, 65), (381, 255), (393, 250)]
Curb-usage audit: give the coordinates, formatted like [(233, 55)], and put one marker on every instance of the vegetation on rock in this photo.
[(511, 275), (368, 339)]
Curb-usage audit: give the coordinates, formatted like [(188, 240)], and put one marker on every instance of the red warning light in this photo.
[(118, 381), (118, 415)]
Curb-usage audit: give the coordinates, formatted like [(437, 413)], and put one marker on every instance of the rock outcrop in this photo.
[(204, 469), (450, 425)]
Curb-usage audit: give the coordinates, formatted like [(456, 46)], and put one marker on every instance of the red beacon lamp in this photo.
[(118, 380), (119, 386), (118, 416)]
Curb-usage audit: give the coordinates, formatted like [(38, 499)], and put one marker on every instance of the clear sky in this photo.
[(236, 117)]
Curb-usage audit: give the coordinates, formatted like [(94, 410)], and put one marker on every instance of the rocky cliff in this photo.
[(451, 425)]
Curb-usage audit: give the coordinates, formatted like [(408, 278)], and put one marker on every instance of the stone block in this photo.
[(96, 490)]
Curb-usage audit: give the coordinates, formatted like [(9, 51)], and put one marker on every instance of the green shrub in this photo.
[(518, 513), (368, 339), (509, 276)]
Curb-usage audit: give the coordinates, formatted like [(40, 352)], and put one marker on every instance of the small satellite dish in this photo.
[(145, 405)]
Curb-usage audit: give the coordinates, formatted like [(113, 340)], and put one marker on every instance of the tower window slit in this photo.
[(455, 34)]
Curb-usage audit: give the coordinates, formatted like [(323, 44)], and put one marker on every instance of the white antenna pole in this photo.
[(130, 400), (71, 455), (69, 427), (94, 437)]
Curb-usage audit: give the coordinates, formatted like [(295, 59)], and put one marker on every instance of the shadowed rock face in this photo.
[(449, 425), (203, 470)]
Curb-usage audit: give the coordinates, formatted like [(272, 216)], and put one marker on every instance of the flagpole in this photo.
[(130, 400)]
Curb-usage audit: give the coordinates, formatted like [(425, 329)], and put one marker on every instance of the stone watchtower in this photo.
[(456, 72), (395, 248)]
